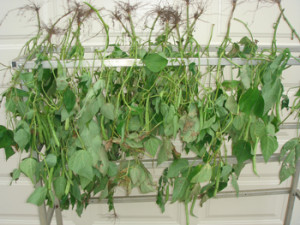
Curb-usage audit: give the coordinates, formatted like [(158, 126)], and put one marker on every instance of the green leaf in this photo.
[(16, 174), (250, 47), (209, 122), (155, 62), (271, 93), (51, 160), (285, 102), (180, 186), (242, 151), (230, 84), (84, 182), (104, 161), (38, 196), (28, 167), (112, 169), (245, 74), (164, 152), (81, 163), (22, 138), (8, 152), (61, 83), (27, 78), (147, 187), (288, 167), (177, 166), (257, 129), (69, 99), (75, 191), (134, 144), (269, 145), (204, 173), (59, 185), (90, 135), (226, 170), (108, 111), (238, 122), (298, 93), (137, 175), (288, 146), (232, 105), (152, 145), (170, 120), (134, 123), (6, 141), (251, 102)]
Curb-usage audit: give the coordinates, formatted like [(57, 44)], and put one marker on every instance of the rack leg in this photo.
[(58, 215), (42, 215), (50, 213), (292, 196)]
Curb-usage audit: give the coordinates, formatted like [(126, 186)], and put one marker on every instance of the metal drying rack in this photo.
[(46, 215)]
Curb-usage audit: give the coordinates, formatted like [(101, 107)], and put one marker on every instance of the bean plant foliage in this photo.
[(87, 130)]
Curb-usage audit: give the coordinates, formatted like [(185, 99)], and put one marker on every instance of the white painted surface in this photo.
[(266, 210)]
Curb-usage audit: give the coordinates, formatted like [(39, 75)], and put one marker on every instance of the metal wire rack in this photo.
[(47, 215)]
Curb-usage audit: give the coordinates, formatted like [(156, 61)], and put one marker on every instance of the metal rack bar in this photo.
[(292, 195), (298, 194), (138, 62), (225, 194), (59, 219), (45, 218), (152, 163)]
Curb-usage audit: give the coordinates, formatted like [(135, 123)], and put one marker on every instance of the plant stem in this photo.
[(294, 32)]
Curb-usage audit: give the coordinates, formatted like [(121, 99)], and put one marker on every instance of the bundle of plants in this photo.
[(85, 131)]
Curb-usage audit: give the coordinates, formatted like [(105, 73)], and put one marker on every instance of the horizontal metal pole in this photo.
[(225, 194), (138, 62), (253, 193), (290, 126), (150, 163)]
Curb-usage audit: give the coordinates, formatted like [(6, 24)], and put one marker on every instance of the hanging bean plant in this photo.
[(85, 131)]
